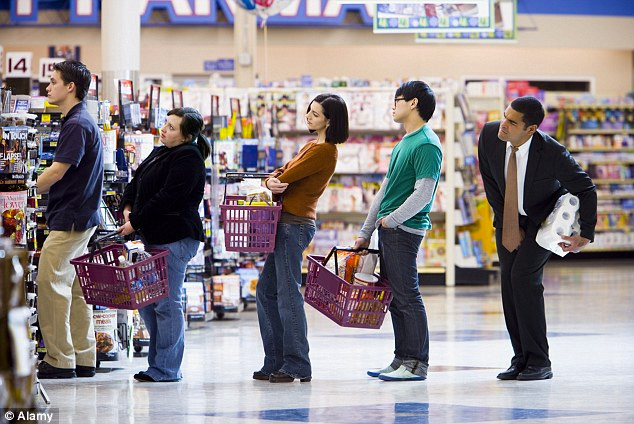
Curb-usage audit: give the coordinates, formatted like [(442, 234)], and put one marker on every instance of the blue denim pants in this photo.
[(164, 319), (281, 304), (398, 263)]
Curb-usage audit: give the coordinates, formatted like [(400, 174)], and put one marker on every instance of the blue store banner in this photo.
[(298, 13)]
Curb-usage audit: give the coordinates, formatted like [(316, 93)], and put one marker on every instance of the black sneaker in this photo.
[(84, 371), (47, 371)]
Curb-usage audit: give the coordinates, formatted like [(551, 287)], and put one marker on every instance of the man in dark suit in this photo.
[(524, 172)]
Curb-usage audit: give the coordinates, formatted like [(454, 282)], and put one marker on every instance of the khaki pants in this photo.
[(65, 318)]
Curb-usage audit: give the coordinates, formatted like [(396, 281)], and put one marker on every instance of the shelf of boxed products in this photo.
[(600, 135)]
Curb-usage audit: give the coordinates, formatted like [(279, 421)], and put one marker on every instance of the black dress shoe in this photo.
[(259, 375), (282, 377), (535, 373), (47, 371), (84, 371), (511, 373)]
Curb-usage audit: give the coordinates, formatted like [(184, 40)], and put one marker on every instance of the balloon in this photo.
[(268, 8), (246, 4), (264, 8)]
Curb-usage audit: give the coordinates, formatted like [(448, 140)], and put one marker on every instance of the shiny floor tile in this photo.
[(591, 329)]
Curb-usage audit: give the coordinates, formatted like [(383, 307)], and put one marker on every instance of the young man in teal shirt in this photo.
[(400, 211)]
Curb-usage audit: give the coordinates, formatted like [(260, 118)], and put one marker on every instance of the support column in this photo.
[(244, 47), (120, 45)]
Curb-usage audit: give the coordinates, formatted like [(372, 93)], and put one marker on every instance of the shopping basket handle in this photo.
[(96, 244), (238, 176), (106, 236), (346, 249), (243, 175)]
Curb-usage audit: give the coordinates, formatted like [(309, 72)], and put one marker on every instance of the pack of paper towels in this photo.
[(563, 220)]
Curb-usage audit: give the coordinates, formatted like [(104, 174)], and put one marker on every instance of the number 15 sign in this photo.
[(19, 64)]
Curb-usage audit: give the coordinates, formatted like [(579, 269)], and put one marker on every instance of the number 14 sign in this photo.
[(19, 64)]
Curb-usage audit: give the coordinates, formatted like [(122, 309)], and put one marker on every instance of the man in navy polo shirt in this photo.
[(74, 183)]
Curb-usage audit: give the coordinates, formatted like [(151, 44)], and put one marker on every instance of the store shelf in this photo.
[(615, 196), (613, 180), (432, 270), (608, 162), (626, 229), (620, 210), (600, 131), (608, 249), (601, 149), (595, 106)]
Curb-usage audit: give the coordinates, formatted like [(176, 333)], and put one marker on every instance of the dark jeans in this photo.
[(523, 297), (164, 319), (281, 305), (398, 263)]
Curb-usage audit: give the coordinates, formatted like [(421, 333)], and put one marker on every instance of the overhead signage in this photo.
[(505, 28), (205, 12), (433, 16)]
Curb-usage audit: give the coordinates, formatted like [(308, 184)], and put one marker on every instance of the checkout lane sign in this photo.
[(19, 64), (46, 67)]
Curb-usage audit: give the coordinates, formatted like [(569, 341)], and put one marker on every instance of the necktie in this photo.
[(511, 237)]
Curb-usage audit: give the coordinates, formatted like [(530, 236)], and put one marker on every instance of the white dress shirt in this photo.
[(521, 157)]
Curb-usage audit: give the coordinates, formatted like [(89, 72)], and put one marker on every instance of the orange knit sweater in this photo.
[(307, 175)]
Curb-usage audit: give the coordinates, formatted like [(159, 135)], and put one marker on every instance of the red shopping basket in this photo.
[(248, 228), (104, 283), (349, 305)]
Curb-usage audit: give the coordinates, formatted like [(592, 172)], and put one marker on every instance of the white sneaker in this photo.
[(401, 374), (390, 368)]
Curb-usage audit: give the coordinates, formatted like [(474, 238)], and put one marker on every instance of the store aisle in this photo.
[(591, 334)]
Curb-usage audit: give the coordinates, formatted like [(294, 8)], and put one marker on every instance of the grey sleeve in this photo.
[(370, 221), (423, 192)]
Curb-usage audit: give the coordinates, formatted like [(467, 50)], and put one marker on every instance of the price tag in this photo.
[(46, 67), (19, 64), (46, 118)]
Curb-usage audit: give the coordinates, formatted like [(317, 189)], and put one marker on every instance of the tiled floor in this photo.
[(590, 310)]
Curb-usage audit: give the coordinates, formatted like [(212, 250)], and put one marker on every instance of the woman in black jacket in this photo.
[(161, 202)]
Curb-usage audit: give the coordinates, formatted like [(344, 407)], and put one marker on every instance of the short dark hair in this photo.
[(76, 72), (336, 112), (425, 95), (531, 109), (192, 125)]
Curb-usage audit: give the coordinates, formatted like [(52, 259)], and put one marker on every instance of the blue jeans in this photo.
[(164, 319), (281, 305), (398, 263)]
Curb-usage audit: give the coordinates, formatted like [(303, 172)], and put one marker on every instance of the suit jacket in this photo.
[(551, 172)]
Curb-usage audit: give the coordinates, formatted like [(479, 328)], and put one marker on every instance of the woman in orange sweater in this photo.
[(300, 182)]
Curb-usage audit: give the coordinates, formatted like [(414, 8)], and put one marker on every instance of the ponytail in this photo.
[(203, 145)]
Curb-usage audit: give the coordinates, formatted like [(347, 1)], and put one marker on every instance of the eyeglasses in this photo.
[(397, 99)]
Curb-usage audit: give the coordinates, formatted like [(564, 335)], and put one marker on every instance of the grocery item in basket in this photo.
[(365, 279), (347, 264), (367, 263), (132, 249)]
